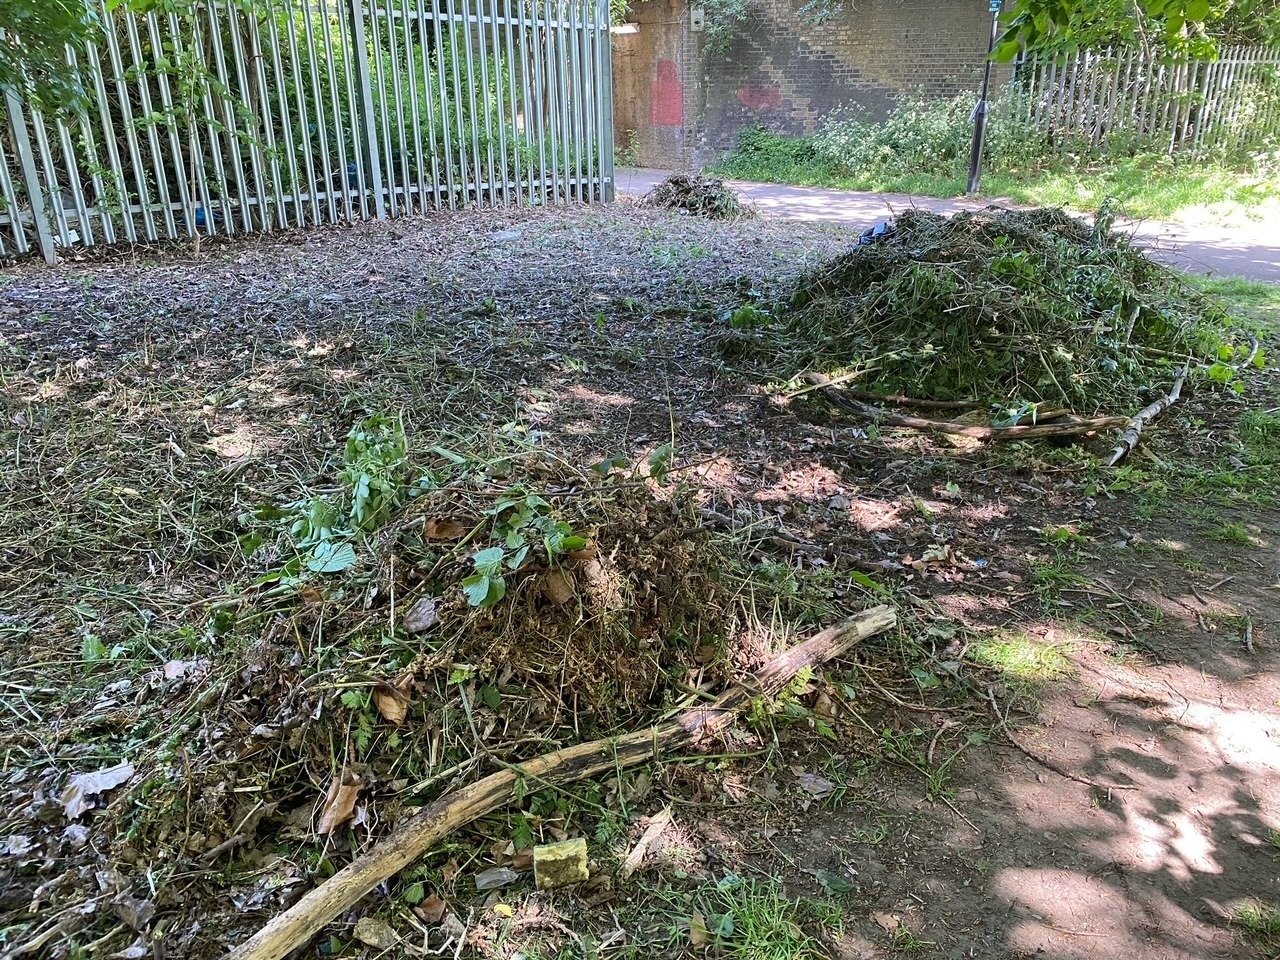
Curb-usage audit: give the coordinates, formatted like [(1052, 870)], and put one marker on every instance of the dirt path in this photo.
[(1252, 251)]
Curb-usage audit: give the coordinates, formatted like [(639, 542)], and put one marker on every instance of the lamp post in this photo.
[(980, 111)]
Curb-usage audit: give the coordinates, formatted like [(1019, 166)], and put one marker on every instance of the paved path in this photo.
[(1252, 252)]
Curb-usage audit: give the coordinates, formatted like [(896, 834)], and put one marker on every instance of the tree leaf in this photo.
[(330, 557), (443, 530), (339, 805), (489, 561)]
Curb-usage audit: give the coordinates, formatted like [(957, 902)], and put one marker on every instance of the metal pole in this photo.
[(980, 111)]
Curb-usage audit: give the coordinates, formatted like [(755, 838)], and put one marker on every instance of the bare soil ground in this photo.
[(1072, 751)]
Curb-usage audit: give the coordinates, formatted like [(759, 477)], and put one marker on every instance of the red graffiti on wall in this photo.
[(760, 97), (666, 97)]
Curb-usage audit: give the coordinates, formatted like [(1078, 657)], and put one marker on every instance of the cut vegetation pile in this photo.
[(386, 638), (700, 196), (1003, 309)]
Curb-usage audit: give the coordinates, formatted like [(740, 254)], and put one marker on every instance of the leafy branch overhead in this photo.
[(1182, 27)]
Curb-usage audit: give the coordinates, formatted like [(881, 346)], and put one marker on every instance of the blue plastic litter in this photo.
[(351, 175), (876, 233)]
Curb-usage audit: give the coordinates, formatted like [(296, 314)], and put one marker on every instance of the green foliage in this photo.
[(922, 147), (769, 157), (1185, 28), (1011, 308), (373, 471), (36, 69), (375, 483), (747, 919), (724, 21), (521, 522), (920, 136), (1259, 921)]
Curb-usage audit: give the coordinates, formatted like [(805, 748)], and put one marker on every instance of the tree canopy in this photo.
[(33, 49), (1192, 28)]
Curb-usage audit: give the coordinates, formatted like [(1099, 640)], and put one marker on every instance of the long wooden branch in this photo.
[(1068, 428), (696, 726), (1133, 429)]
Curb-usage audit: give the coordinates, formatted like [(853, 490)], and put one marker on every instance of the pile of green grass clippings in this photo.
[(1002, 307)]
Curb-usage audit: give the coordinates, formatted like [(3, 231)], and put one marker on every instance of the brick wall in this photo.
[(786, 71)]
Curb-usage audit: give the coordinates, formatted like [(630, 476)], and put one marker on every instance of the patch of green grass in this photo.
[(1142, 186), (1259, 921), (1019, 657), (1050, 578), (1260, 437), (740, 918), (1233, 532), (1250, 298), (905, 940)]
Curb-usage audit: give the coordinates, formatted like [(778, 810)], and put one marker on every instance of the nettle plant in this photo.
[(522, 521), (325, 529)]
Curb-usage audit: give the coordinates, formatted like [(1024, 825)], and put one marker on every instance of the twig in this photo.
[(840, 398), (1067, 773), (698, 725), (1248, 632), (1129, 438)]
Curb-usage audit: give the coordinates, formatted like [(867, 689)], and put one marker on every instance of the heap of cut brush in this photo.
[(1012, 310), (699, 196)]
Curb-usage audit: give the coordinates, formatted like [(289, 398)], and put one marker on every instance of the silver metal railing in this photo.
[(243, 116)]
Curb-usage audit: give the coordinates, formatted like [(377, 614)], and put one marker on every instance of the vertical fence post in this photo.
[(35, 191), (605, 81), (364, 81)]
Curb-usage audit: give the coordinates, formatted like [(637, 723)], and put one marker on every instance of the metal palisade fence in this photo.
[(225, 117), (1126, 98)]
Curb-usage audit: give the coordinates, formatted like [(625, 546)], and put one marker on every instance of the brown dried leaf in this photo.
[(421, 616), (339, 805), (824, 708), (391, 703), (886, 921), (435, 529), (557, 586), (817, 786), (81, 786), (432, 909), (699, 935), (449, 872)]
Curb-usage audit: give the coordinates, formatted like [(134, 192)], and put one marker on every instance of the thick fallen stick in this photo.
[(1133, 429), (696, 726), (1067, 428)]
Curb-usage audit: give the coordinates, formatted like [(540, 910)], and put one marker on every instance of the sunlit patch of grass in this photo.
[(740, 918), (1019, 657)]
